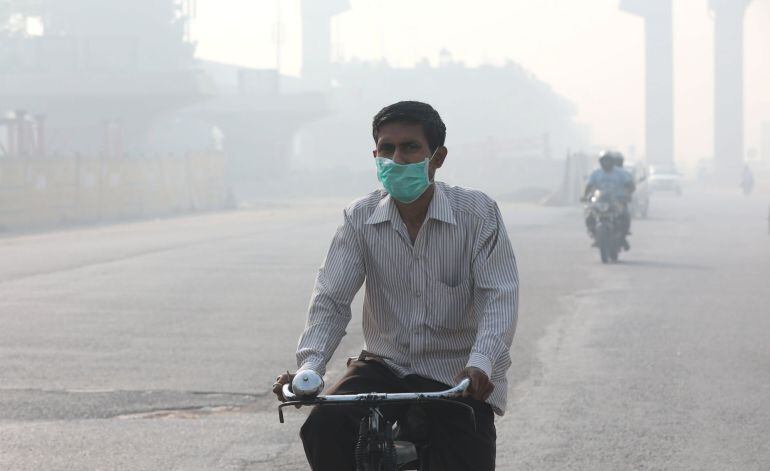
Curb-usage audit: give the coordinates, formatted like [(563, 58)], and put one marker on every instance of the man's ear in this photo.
[(374, 153), (438, 159)]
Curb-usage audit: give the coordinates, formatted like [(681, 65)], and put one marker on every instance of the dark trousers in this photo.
[(330, 432)]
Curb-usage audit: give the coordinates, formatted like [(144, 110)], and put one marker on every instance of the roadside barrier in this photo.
[(49, 192)]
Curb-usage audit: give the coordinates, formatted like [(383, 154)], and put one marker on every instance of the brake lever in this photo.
[(297, 404)]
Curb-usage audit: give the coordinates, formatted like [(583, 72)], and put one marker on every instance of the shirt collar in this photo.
[(385, 211), (440, 208)]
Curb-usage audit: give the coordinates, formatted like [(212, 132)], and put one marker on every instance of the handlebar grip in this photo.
[(463, 385)]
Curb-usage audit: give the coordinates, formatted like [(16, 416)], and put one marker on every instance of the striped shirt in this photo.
[(431, 308)]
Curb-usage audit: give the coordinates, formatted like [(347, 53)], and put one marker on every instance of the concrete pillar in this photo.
[(316, 41), (40, 135), (659, 77), (13, 147), (113, 139), (728, 85), (21, 133)]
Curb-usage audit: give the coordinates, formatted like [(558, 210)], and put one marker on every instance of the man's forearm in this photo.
[(327, 321), (339, 279)]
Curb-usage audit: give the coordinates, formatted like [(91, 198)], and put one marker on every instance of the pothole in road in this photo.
[(186, 413), (83, 404)]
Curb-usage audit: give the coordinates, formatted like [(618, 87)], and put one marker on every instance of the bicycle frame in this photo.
[(376, 425)]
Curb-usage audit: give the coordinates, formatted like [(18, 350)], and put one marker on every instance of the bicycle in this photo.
[(381, 446)]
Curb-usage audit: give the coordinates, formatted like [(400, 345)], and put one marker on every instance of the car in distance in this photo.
[(665, 178)]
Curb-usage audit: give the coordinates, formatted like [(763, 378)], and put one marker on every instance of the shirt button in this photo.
[(418, 293)]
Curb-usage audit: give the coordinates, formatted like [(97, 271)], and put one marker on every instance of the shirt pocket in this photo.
[(450, 307)]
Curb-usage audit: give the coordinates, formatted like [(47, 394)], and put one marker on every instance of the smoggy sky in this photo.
[(588, 50)]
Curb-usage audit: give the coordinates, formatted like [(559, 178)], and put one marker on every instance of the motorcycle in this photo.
[(606, 213)]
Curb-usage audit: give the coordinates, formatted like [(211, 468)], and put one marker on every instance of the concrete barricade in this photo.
[(37, 193)]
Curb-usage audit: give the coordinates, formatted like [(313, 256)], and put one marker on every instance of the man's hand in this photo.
[(481, 387), (282, 379)]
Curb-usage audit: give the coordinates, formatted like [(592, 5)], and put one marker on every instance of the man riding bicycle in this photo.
[(441, 298)]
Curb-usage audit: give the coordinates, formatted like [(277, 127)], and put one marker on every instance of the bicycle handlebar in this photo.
[(376, 399), (461, 387)]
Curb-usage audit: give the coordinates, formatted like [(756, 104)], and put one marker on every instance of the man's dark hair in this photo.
[(413, 112)]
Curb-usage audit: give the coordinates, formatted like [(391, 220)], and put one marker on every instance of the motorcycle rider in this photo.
[(612, 179), (630, 189)]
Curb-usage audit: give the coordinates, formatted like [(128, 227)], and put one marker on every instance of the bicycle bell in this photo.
[(307, 383)]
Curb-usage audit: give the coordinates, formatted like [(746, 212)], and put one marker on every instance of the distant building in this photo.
[(100, 72), (480, 104), (118, 78)]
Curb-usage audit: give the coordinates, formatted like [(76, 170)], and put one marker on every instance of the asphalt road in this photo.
[(152, 345)]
